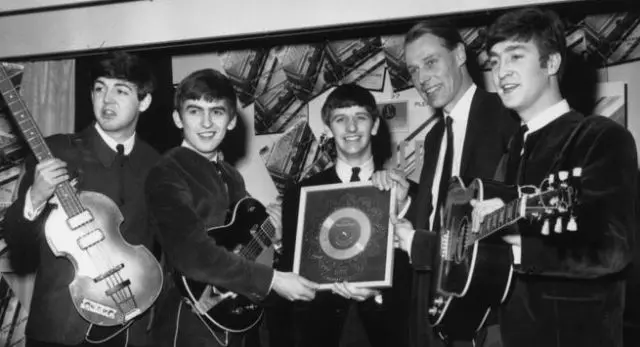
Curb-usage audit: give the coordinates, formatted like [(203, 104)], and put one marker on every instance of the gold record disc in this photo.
[(344, 233)]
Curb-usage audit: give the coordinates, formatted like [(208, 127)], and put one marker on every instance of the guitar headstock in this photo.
[(555, 199)]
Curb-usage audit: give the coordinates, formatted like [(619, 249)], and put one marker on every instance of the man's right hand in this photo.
[(48, 174), (292, 287), (403, 233)]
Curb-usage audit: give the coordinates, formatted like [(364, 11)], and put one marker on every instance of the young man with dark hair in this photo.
[(568, 286), (193, 189), (121, 91), (351, 122), (471, 133)]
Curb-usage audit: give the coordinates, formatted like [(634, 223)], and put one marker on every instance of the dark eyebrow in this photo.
[(510, 48), (197, 107), (120, 84)]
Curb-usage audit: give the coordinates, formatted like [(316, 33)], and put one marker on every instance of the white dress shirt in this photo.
[(536, 123), (344, 170), (460, 118)]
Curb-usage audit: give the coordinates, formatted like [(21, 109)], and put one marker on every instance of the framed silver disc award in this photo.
[(344, 234)]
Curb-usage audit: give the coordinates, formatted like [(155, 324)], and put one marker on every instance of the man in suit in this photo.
[(568, 285), (470, 135), (352, 123), (121, 91), (192, 189)]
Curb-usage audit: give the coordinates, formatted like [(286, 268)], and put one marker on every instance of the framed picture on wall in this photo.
[(344, 234), (611, 101)]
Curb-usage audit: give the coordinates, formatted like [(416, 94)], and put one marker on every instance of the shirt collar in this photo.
[(344, 170), (547, 116), (128, 143), (460, 112), (217, 156)]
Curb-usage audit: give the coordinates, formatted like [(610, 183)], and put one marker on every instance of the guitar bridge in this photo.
[(111, 271)]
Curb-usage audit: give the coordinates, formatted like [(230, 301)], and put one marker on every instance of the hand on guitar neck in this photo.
[(46, 177), (562, 189), (485, 207)]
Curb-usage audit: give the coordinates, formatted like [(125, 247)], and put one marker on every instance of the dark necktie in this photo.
[(446, 173), (432, 143), (355, 174), (515, 155), (120, 161)]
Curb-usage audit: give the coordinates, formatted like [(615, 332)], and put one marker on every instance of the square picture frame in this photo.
[(344, 233)]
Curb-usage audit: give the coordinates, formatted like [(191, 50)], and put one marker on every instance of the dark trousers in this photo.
[(553, 313), (321, 323)]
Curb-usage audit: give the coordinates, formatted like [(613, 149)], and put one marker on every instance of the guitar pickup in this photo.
[(111, 271), (79, 220), (89, 239)]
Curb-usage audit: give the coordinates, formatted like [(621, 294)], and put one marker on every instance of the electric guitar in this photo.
[(114, 281), (248, 233), (474, 276)]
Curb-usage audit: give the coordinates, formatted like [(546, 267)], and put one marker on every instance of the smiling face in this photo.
[(205, 123), (436, 71), (524, 82), (352, 128), (116, 106)]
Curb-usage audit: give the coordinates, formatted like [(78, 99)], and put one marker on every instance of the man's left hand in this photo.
[(349, 291), (275, 213)]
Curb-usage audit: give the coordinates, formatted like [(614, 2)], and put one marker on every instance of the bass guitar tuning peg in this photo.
[(563, 175), (545, 227), (572, 225), (577, 172), (557, 228)]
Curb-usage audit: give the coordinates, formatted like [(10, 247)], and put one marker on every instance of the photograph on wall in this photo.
[(344, 234), (354, 59), (295, 155), (302, 65), (611, 101), (393, 47), (606, 39), (395, 113), (243, 68), (276, 104)]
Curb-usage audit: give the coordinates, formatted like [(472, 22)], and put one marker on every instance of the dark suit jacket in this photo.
[(489, 129), (53, 318), (570, 289), (187, 194)]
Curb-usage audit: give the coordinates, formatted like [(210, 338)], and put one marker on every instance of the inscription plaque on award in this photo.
[(344, 234)]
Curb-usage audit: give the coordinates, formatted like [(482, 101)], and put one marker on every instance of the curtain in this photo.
[(48, 89)]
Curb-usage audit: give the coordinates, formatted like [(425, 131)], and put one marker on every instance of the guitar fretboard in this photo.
[(262, 238), (498, 219), (32, 135)]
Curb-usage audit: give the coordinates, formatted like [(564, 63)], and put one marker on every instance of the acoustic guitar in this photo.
[(474, 274)]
